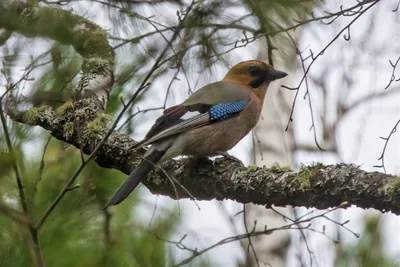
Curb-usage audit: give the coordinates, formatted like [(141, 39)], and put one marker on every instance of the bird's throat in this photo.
[(261, 91), (257, 82)]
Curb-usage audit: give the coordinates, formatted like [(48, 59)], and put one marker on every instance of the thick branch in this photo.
[(60, 25), (316, 186)]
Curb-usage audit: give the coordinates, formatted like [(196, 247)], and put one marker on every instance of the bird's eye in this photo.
[(254, 70)]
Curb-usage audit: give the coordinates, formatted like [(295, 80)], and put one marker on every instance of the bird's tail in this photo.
[(137, 175)]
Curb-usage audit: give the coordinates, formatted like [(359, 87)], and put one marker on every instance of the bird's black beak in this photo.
[(276, 74)]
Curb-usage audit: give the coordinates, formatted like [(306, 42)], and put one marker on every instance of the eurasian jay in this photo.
[(226, 111)]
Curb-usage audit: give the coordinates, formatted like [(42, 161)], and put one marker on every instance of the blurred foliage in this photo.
[(60, 69), (75, 233), (368, 251)]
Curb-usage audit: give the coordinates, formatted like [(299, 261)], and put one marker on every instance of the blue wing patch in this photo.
[(225, 110)]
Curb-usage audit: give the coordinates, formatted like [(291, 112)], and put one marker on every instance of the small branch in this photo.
[(87, 38), (386, 139), (392, 76), (294, 225), (14, 215), (37, 254), (368, 98), (36, 247), (41, 167), (323, 50), (250, 245), (15, 167)]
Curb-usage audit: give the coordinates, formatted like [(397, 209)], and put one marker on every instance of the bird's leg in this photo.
[(226, 155)]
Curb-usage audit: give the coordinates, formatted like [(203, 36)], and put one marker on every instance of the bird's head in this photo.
[(254, 74)]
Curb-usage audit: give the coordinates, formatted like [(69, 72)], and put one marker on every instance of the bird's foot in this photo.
[(226, 155)]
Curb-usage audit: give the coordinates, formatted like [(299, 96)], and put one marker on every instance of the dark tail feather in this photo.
[(136, 176)]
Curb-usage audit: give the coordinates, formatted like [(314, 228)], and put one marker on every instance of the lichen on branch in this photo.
[(82, 124), (87, 38), (320, 186)]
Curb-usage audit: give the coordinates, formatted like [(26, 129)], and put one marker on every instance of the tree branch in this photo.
[(87, 38), (13, 214), (320, 186)]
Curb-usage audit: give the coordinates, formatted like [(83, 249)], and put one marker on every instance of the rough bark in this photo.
[(320, 186)]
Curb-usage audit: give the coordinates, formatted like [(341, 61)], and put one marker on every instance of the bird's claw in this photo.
[(226, 155)]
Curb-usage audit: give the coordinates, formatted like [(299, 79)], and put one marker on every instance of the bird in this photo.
[(208, 123)]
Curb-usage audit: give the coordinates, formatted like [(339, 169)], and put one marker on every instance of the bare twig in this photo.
[(15, 215), (250, 246), (41, 167), (386, 139), (393, 77), (315, 57), (290, 226), (33, 232)]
